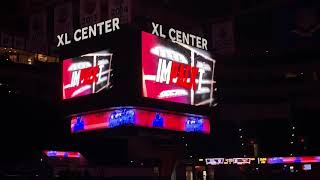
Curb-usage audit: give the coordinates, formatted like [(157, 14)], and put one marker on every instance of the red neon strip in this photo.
[(142, 118), (288, 160), (309, 159), (62, 154)]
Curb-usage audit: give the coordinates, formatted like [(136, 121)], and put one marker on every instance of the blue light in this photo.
[(66, 154), (79, 125), (122, 117), (52, 153), (194, 124), (307, 167), (275, 160), (158, 121), (297, 160)]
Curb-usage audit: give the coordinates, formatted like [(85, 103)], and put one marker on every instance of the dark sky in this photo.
[(14, 13), (201, 8)]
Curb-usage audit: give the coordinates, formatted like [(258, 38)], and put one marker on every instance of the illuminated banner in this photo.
[(262, 160), (87, 74), (291, 160), (272, 160), (62, 154), (132, 116), (176, 72), (237, 161), (214, 161)]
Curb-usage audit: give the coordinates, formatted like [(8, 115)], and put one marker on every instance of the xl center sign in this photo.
[(180, 36), (89, 32)]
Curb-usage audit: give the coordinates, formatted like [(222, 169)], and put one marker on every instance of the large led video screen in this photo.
[(62, 154), (87, 74), (134, 116), (176, 72)]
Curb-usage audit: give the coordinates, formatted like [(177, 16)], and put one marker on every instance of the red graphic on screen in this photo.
[(86, 74), (176, 72), (130, 116)]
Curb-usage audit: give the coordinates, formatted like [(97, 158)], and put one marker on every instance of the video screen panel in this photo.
[(133, 116), (176, 72), (87, 74), (62, 154), (290, 160)]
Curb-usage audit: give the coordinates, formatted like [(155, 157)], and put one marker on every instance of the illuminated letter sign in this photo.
[(176, 72), (214, 161), (89, 32), (180, 36), (242, 161), (86, 74)]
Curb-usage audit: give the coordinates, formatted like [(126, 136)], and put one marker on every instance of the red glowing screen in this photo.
[(290, 160), (176, 72), (62, 154), (133, 116), (87, 74)]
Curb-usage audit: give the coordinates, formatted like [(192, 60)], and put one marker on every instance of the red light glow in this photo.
[(62, 154)]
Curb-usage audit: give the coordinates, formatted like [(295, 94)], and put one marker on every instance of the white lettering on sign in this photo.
[(172, 93), (75, 78), (169, 54), (180, 36), (183, 75), (90, 31), (164, 74), (79, 66), (237, 161)]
